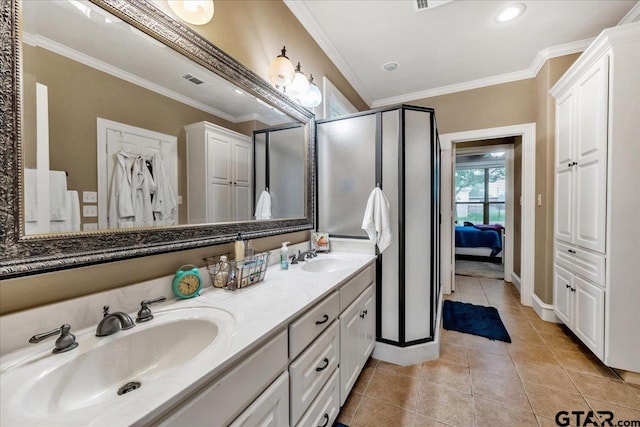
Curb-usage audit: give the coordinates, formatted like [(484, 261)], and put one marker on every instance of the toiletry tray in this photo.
[(242, 273)]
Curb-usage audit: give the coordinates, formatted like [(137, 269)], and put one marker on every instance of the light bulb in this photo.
[(196, 12), (511, 12), (299, 86), (281, 71), (313, 97)]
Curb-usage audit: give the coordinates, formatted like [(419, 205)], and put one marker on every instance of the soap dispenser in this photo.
[(238, 248), (284, 256)]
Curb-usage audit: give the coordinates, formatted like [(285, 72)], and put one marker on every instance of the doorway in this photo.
[(483, 208), (526, 203)]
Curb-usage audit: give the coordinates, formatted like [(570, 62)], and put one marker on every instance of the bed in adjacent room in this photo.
[(482, 241)]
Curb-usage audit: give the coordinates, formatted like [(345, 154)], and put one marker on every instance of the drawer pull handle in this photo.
[(571, 251), (573, 289), (322, 368), (568, 287), (326, 420), (325, 319), (364, 313)]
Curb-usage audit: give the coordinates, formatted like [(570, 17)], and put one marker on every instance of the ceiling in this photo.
[(449, 48)]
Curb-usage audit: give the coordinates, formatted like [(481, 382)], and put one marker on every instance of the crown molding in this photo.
[(307, 20), (60, 49), (632, 16), (529, 73)]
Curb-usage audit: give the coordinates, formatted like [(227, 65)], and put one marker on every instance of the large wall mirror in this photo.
[(127, 134)]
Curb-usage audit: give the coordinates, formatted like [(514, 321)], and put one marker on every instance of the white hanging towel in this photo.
[(72, 223), (164, 201), (58, 195), (376, 220), (30, 195), (263, 207)]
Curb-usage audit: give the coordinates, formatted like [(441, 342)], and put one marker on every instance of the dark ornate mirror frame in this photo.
[(21, 255)]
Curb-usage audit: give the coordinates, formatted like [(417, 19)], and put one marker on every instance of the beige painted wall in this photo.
[(78, 94), (524, 101), (253, 32), (545, 172)]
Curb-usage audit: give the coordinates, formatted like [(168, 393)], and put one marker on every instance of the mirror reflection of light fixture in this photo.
[(281, 71), (196, 12), (313, 97), (300, 84)]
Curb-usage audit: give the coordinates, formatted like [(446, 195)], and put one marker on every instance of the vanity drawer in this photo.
[(223, 400), (588, 265), (324, 410), (310, 372), (271, 409), (308, 326), (350, 291)]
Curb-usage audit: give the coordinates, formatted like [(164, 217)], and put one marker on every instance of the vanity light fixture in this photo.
[(196, 12), (313, 97), (510, 12), (281, 71), (300, 85)]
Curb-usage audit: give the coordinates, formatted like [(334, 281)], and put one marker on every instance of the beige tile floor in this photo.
[(478, 382)]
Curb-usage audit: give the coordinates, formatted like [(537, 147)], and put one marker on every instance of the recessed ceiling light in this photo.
[(238, 91), (390, 66), (510, 12)]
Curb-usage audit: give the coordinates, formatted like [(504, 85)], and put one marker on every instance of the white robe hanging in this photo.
[(165, 205), (130, 193)]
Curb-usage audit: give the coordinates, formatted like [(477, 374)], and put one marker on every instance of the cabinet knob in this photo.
[(322, 368), (568, 287), (573, 289), (325, 319)]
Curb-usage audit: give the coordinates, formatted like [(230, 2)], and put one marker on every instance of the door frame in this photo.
[(527, 249), (103, 181), (507, 254)]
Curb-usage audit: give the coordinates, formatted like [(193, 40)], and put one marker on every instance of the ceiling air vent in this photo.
[(192, 79), (429, 4)]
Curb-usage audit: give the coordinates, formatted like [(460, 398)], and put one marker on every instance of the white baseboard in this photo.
[(406, 356), (545, 311), (419, 353), (515, 279)]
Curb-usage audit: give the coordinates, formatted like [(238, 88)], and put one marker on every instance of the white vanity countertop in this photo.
[(259, 311)]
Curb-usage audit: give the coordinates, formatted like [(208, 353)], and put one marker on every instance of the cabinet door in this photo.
[(591, 157), (349, 350), (219, 177), (368, 325), (589, 315), (241, 170), (565, 122), (562, 294), (271, 409)]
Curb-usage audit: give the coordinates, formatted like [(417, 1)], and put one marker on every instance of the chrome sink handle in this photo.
[(144, 314), (65, 342), (113, 322), (307, 254)]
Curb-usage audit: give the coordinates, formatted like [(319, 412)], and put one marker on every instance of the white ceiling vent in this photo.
[(192, 79), (429, 4)]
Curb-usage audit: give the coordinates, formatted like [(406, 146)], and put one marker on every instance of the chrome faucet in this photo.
[(113, 322), (307, 254), (65, 342)]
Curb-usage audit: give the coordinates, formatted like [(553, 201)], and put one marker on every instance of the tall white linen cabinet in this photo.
[(597, 199), (219, 174)]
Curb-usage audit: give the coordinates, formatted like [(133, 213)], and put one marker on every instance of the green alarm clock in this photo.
[(187, 282)]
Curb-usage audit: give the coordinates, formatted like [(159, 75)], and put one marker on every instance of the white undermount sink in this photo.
[(325, 265), (47, 385)]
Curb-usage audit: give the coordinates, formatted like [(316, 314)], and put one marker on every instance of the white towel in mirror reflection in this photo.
[(263, 207), (64, 205)]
